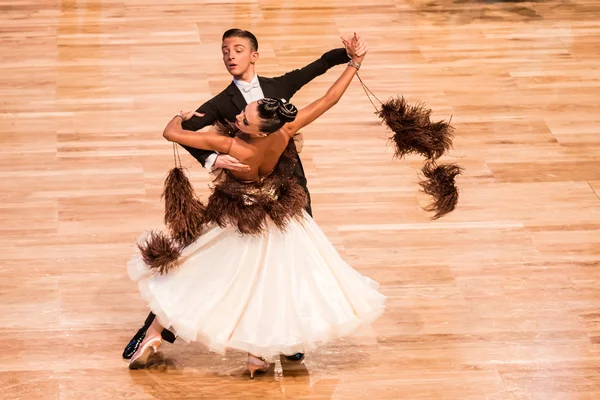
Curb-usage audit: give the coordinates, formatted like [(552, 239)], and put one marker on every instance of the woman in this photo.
[(263, 278)]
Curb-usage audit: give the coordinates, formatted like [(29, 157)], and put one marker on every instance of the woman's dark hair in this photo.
[(243, 34), (274, 113)]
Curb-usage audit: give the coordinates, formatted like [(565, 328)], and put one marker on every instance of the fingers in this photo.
[(232, 163), (360, 46), (355, 44), (362, 50), (229, 159), (226, 161), (239, 167), (361, 41), (189, 114)]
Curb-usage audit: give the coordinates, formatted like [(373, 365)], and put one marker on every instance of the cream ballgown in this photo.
[(283, 290)]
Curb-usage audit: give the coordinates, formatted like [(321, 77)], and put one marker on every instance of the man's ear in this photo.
[(254, 57)]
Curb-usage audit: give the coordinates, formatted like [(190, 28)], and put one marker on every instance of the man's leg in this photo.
[(308, 207), (299, 174), (135, 341)]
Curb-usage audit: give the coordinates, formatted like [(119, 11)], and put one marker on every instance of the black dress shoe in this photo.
[(296, 357), (134, 344)]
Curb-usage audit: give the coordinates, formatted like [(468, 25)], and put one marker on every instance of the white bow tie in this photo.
[(249, 87)]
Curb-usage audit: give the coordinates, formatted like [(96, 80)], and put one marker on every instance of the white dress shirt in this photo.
[(251, 92)]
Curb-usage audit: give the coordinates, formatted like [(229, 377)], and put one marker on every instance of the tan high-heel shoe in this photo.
[(140, 357), (256, 364)]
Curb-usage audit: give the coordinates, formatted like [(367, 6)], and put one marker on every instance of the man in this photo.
[(240, 53)]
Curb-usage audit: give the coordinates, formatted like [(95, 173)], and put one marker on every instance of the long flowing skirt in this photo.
[(283, 292)]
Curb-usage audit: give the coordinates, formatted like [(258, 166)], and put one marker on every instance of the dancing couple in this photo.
[(250, 270)]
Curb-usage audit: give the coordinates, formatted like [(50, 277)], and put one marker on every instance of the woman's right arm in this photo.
[(318, 107), (211, 140)]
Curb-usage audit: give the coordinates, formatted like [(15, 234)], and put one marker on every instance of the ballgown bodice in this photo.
[(247, 204)]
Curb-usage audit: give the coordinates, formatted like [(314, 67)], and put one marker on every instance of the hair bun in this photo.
[(287, 112), (270, 104)]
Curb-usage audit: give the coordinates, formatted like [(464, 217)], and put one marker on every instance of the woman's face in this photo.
[(248, 120)]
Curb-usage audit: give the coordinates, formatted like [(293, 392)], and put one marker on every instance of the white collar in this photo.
[(240, 83)]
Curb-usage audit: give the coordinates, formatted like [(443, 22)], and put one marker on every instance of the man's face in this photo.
[(238, 55)]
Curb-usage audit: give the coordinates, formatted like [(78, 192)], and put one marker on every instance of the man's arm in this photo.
[(210, 114), (292, 81)]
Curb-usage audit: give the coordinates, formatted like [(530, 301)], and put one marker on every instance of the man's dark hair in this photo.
[(243, 34)]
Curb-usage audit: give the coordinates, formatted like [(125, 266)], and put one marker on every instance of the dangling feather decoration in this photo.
[(440, 184)]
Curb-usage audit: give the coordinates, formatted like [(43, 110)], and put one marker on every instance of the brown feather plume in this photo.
[(292, 199), (441, 186), (230, 205), (184, 212), (159, 252), (413, 130), (246, 205)]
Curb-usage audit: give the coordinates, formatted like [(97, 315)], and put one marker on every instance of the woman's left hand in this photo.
[(356, 47), (189, 114)]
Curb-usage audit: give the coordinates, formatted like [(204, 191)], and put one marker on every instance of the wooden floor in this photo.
[(498, 300)]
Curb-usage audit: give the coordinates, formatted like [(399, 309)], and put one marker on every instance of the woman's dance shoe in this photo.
[(256, 364), (147, 348)]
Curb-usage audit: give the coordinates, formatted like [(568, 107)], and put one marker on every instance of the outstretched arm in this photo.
[(318, 107), (211, 140), (292, 81)]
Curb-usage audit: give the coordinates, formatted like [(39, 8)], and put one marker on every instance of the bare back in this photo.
[(261, 155)]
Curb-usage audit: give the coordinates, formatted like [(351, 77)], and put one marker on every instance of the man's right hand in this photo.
[(225, 161)]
